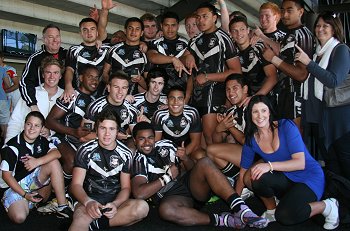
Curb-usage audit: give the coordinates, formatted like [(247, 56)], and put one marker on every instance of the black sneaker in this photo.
[(65, 213)]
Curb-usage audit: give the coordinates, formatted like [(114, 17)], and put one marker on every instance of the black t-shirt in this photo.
[(148, 108)]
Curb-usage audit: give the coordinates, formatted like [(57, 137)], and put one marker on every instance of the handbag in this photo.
[(340, 95)]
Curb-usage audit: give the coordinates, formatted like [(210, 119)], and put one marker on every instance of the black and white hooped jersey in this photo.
[(173, 48), (123, 57), (15, 149), (126, 112), (211, 52), (276, 36), (149, 108), (80, 55), (177, 128), (253, 63), (153, 165), (103, 167), (75, 109)]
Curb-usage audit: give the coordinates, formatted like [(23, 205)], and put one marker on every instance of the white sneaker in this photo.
[(246, 193), (269, 215), (332, 218), (50, 207)]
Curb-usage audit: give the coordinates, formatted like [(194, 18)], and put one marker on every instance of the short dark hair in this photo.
[(155, 73), (36, 114), (87, 67), (49, 26), (210, 6), (107, 114), (84, 20), (119, 75), (170, 14), (299, 3), (238, 19), (334, 21), (142, 126), (239, 78), (176, 88), (133, 19)]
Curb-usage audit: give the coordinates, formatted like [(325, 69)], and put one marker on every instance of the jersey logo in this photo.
[(165, 46), (163, 152), (179, 46), (183, 122), (170, 124), (123, 114), (39, 150), (96, 157), (81, 103), (200, 41), (114, 161), (251, 55), (121, 52), (86, 55), (212, 42), (136, 55)]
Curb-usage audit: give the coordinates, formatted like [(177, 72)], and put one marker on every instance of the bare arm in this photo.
[(225, 18), (14, 86), (270, 81)]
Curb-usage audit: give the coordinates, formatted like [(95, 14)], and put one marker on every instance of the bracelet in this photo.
[(276, 61), (86, 202), (271, 168), (161, 181), (222, 5), (25, 193)]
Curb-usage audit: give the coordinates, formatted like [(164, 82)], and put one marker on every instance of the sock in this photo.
[(271, 211), (235, 202), (327, 209), (214, 219), (230, 170)]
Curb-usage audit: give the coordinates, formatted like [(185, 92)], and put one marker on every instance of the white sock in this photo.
[(327, 209)]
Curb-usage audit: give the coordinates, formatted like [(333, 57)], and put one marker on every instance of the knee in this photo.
[(261, 186), (18, 217), (167, 212), (140, 210), (286, 216)]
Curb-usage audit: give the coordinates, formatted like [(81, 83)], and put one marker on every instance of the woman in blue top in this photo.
[(287, 170)]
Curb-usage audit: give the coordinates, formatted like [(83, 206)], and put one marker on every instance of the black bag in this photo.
[(340, 95), (338, 187)]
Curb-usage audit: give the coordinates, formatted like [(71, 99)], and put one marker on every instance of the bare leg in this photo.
[(179, 209), (209, 124), (53, 170), (130, 212), (81, 219), (67, 158), (221, 154), (18, 211)]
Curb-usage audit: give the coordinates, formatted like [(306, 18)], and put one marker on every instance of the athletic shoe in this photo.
[(49, 208), (213, 199), (269, 215), (65, 213), (229, 220), (332, 218), (246, 193), (251, 219)]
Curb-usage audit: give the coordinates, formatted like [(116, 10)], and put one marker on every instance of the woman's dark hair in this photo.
[(331, 19), (250, 128), (36, 114)]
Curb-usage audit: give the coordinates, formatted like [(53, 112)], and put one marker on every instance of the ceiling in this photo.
[(32, 15)]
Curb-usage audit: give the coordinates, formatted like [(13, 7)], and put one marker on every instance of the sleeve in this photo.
[(108, 58), (259, 49), (152, 45), (139, 167), (89, 114), (157, 122), (16, 122), (336, 72), (196, 123), (287, 51), (71, 59), (8, 159), (247, 158), (30, 76), (134, 112), (81, 159), (230, 51), (65, 106), (294, 141)]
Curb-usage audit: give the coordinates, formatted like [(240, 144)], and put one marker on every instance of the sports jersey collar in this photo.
[(296, 28)]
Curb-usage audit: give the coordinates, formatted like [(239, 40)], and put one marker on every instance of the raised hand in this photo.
[(301, 56)]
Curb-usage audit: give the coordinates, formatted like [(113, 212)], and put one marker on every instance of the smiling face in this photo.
[(150, 30), (144, 141), (235, 93), (268, 20), (52, 74), (261, 115), (170, 27), (89, 81), (191, 27), (240, 33), (323, 31), (176, 102), (118, 89), (156, 86), (133, 33), (107, 134), (52, 40), (32, 129)]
